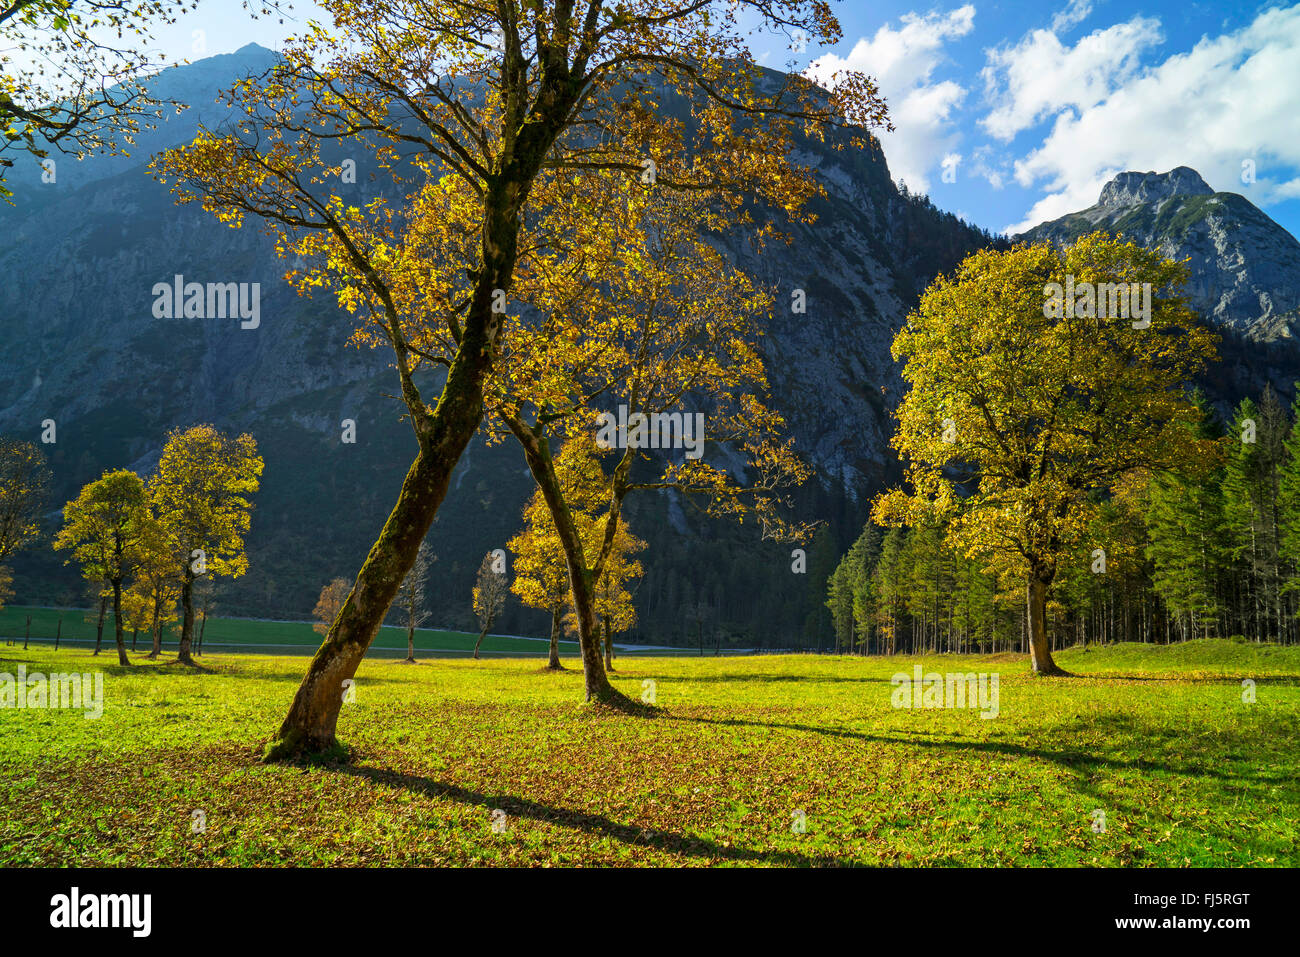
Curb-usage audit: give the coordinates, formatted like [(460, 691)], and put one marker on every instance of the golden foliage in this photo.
[(1016, 422)]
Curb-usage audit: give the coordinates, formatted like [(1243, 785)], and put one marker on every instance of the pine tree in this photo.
[(1251, 491), (1184, 517), (1289, 515)]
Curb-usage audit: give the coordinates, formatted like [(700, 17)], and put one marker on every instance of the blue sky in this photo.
[(1035, 105), (1029, 107)]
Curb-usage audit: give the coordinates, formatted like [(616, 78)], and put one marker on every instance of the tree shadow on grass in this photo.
[(140, 665), (196, 668), (1073, 760), (595, 824), (1235, 680), (757, 678), (295, 676)]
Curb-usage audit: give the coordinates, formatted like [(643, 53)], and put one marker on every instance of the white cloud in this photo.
[(1075, 13), (1040, 76), (1230, 98), (903, 61)]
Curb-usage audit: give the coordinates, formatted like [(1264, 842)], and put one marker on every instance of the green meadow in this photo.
[(769, 760), (257, 635)]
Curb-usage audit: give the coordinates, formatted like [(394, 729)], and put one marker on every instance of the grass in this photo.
[(1158, 738)]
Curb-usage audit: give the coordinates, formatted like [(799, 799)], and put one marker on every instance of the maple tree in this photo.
[(542, 574), (1020, 419), (541, 568), (200, 497), (101, 527), (135, 614), (467, 108)]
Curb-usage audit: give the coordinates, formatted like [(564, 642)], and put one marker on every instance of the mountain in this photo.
[(82, 256), (1244, 269)]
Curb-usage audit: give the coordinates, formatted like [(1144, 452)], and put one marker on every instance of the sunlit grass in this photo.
[(1159, 739)]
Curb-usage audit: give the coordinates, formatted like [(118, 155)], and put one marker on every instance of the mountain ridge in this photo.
[(1244, 268)]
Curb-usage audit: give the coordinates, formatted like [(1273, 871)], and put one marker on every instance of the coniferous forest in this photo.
[(1173, 556)]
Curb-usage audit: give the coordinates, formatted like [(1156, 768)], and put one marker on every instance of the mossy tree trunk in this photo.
[(557, 614), (119, 633), (309, 727), (99, 627), (187, 616), (1040, 651), (537, 452), (443, 433), (156, 631), (310, 724)]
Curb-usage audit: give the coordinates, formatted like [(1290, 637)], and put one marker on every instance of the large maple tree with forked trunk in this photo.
[(470, 109)]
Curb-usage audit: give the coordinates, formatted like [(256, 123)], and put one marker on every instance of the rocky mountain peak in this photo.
[(1244, 269), (1128, 189)]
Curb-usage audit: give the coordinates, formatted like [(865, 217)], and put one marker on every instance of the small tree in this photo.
[(205, 590), (410, 597), (328, 604), (102, 526), (489, 596), (541, 576), (200, 496)]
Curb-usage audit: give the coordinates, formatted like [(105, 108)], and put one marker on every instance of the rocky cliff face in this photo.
[(1244, 269), (81, 258)]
